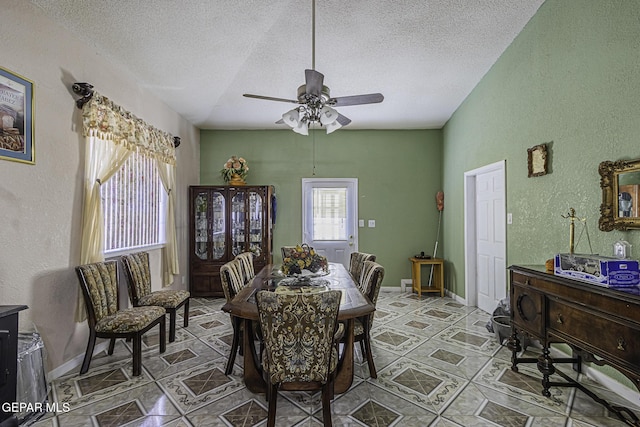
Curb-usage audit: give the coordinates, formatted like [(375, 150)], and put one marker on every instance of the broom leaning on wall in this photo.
[(440, 206)]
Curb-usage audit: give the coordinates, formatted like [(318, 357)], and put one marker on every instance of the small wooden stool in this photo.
[(437, 284)]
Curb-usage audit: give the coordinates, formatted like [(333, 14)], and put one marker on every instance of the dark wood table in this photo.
[(353, 305)]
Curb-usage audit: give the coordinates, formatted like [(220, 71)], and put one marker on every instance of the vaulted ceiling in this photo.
[(200, 56)]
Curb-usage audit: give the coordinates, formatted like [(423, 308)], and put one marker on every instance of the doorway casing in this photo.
[(470, 232)]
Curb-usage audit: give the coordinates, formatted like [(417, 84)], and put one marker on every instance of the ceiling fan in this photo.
[(315, 103)]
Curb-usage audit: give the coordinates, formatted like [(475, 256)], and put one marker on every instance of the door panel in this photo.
[(329, 222), (490, 239)]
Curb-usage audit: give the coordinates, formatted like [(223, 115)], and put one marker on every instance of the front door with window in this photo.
[(329, 217)]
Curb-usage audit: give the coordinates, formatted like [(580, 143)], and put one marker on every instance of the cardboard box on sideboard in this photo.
[(599, 270)]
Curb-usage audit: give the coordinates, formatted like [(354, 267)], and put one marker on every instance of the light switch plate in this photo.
[(372, 223), (361, 223)]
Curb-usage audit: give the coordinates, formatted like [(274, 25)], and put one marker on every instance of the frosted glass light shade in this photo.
[(328, 115), (291, 118)]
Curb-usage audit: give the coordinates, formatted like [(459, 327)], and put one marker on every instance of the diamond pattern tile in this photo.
[(248, 414), (179, 356), (374, 414), (101, 381), (206, 381), (503, 416), (119, 415), (418, 381), (447, 356), (437, 365)]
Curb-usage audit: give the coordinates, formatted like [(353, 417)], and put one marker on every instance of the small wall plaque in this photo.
[(537, 160)]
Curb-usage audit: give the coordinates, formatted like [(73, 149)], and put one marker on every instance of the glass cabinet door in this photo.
[(218, 216), (201, 229), (255, 223), (238, 223)]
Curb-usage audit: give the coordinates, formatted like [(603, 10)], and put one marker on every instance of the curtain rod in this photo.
[(85, 90)]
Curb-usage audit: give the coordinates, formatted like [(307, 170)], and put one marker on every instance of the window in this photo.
[(133, 204), (329, 213)]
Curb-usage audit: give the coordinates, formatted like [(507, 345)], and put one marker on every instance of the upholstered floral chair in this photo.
[(372, 275), (99, 283), (136, 267), (298, 330), (356, 263), (246, 266), (232, 283)]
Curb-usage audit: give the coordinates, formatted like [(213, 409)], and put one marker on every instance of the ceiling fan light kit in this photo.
[(314, 99)]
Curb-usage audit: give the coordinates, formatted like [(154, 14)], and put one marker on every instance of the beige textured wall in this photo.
[(41, 204)]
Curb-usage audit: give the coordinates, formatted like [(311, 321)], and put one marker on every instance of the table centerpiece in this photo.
[(305, 262)]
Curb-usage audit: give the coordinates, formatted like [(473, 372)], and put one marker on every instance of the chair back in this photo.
[(99, 283), (246, 266), (136, 266), (287, 251), (356, 263), (298, 329), (372, 275), (231, 278)]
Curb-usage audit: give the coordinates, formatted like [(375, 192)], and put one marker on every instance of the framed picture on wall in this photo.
[(537, 160), (16, 118)]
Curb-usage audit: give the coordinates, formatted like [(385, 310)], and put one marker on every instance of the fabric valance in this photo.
[(103, 118)]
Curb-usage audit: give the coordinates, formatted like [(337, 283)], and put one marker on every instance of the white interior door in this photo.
[(485, 236), (490, 240), (329, 217)]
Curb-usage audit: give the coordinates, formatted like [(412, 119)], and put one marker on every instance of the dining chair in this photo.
[(372, 275), (246, 266), (99, 284), (356, 263), (287, 251), (299, 350), (232, 283), (136, 266)]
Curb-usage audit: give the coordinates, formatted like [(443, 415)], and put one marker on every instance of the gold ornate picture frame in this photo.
[(16, 118), (537, 160)]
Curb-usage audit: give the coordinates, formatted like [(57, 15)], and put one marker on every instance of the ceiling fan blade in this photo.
[(313, 82), (270, 98), (280, 122), (343, 120), (343, 101)]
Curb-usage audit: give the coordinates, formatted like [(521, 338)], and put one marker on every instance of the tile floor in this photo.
[(437, 366)]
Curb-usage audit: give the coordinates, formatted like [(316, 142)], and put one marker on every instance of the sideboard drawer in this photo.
[(528, 309), (615, 340)]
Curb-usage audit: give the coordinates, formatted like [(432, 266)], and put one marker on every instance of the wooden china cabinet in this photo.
[(225, 221)]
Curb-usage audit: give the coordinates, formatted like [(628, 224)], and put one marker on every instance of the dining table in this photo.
[(353, 304)]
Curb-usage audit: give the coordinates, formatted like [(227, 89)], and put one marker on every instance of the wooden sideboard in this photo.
[(593, 320)]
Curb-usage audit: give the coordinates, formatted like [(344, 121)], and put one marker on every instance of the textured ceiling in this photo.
[(200, 56)]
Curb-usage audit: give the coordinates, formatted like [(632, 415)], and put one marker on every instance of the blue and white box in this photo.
[(599, 270)]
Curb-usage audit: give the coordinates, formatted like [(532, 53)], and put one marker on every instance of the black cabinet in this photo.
[(8, 354)]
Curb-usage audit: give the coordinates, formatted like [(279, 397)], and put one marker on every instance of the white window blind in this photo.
[(133, 203), (329, 213)]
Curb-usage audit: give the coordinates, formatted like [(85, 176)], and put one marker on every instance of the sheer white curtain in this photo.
[(112, 134), (170, 265)]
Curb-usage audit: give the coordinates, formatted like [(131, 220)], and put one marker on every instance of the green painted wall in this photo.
[(399, 173), (569, 79)]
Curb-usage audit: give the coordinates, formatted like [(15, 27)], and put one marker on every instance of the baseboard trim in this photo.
[(404, 283), (391, 289), (70, 365), (455, 297)]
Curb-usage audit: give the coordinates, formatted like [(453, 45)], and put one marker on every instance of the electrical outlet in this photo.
[(509, 218)]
